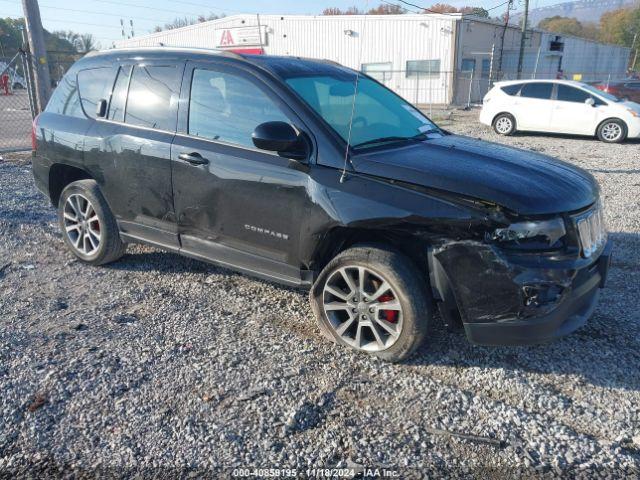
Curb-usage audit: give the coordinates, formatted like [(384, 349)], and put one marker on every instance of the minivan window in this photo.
[(65, 99), (95, 84), (228, 107), (119, 95), (378, 113), (571, 94), (537, 90), (511, 89), (153, 97)]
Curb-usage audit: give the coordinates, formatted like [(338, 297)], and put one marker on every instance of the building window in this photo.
[(468, 64), (486, 68), (423, 68), (379, 71)]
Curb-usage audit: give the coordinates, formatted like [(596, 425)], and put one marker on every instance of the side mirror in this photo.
[(279, 137), (590, 101), (101, 108)]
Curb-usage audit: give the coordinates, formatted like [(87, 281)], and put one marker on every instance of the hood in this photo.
[(523, 181)]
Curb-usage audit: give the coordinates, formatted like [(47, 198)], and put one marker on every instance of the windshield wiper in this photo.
[(419, 136)]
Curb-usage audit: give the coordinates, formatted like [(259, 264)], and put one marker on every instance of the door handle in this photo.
[(193, 158)]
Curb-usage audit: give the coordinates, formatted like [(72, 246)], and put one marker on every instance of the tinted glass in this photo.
[(153, 97), (377, 113), (537, 90), (228, 107), (119, 95), (65, 99), (571, 94), (95, 84), (511, 89)]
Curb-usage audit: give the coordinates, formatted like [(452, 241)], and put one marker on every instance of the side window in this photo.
[(571, 94), (95, 84), (119, 95), (65, 99), (511, 89), (153, 97), (537, 90), (228, 107)]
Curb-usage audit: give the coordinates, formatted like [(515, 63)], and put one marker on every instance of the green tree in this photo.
[(562, 25)]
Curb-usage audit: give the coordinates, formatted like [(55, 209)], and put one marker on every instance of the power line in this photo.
[(89, 12)]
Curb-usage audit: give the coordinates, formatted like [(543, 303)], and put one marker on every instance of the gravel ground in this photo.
[(159, 364)]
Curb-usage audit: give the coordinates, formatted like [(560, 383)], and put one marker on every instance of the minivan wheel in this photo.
[(373, 300), (88, 227), (504, 124), (612, 131)]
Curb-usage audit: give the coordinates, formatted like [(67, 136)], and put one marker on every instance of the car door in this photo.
[(572, 113), (533, 106), (236, 204), (129, 150)]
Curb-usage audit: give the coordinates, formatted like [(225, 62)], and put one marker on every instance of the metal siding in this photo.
[(376, 39)]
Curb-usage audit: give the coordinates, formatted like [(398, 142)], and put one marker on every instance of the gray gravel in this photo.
[(159, 364)]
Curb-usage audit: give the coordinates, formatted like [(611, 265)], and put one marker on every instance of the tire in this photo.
[(400, 329), (504, 124), (90, 232), (612, 131)]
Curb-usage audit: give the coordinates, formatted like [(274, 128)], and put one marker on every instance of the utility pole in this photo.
[(504, 32), (523, 38), (36, 46)]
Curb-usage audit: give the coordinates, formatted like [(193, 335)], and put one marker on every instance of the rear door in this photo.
[(570, 112), (534, 106), (236, 204), (129, 151)]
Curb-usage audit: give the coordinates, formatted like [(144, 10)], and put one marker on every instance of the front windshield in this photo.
[(378, 115), (600, 93)]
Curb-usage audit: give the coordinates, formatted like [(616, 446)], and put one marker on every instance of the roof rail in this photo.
[(161, 46)]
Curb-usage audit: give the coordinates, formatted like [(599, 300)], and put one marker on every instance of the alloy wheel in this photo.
[(362, 308), (611, 132), (82, 225), (504, 125)]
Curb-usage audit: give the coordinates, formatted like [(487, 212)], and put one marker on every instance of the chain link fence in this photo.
[(467, 88), (16, 105)]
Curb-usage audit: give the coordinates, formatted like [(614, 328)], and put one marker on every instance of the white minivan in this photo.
[(559, 106)]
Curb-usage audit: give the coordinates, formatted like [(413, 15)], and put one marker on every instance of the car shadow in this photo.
[(604, 352)]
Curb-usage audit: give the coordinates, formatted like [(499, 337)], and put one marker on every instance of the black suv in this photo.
[(276, 167)]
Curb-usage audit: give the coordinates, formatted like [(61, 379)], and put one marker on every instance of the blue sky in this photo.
[(102, 17)]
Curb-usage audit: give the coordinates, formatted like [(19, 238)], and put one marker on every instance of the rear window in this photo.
[(153, 97), (511, 89), (537, 90), (95, 85), (65, 99)]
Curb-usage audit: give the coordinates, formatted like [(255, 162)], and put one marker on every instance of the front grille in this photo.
[(591, 230)]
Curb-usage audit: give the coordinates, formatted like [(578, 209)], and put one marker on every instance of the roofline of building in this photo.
[(406, 16)]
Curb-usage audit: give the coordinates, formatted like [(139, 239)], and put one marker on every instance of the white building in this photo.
[(427, 58)]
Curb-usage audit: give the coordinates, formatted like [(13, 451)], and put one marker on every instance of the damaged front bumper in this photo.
[(515, 300)]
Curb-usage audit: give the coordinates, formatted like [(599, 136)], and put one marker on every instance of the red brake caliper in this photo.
[(390, 315)]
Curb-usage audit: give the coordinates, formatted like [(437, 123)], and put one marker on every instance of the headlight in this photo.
[(537, 234), (633, 112)]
